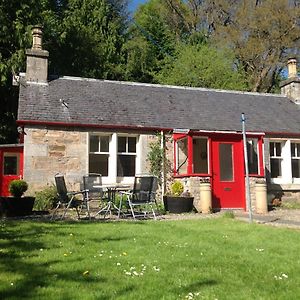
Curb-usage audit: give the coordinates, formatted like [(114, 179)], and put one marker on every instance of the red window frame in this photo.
[(190, 158), (191, 135)]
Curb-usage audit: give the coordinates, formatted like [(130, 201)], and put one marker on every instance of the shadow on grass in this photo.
[(20, 244)]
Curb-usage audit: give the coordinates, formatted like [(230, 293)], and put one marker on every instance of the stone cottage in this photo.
[(81, 125)]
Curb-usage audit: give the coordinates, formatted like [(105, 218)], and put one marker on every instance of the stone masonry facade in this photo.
[(48, 151)]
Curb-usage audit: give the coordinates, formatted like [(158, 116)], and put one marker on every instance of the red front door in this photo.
[(228, 173), (11, 167)]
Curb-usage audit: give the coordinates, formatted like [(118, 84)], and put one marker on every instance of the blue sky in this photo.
[(133, 4)]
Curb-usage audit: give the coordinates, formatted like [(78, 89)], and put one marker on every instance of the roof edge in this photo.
[(170, 86), (96, 126)]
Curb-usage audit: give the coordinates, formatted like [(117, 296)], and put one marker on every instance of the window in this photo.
[(276, 159), (99, 154), (182, 155), (126, 156), (200, 158), (295, 156), (10, 164), (226, 162), (252, 151)]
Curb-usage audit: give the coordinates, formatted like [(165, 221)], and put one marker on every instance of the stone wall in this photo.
[(48, 151)]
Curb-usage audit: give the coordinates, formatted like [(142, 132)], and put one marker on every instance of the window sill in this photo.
[(285, 186)]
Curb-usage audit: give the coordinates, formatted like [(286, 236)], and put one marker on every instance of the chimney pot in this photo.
[(37, 58), (37, 34), (292, 67)]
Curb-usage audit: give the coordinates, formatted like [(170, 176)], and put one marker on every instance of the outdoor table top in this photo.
[(117, 186)]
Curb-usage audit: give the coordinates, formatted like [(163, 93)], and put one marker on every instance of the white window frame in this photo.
[(99, 135), (113, 155), (297, 157), (124, 179), (286, 163)]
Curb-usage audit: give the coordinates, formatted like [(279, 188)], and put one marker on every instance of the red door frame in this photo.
[(231, 193), (237, 140), (6, 179)]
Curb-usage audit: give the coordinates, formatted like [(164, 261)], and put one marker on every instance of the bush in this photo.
[(18, 187), (46, 198), (177, 188)]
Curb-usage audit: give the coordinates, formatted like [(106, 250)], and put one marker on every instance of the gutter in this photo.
[(283, 134), (72, 125)]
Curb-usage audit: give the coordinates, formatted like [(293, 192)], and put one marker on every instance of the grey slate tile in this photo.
[(108, 103)]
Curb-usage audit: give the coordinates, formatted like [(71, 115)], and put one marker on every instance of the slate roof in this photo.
[(71, 100)]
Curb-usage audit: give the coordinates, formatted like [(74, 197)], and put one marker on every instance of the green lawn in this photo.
[(217, 258)]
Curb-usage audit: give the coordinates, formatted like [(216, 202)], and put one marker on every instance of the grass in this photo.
[(192, 259)]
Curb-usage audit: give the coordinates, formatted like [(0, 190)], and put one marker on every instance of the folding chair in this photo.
[(92, 184), (66, 199), (142, 196)]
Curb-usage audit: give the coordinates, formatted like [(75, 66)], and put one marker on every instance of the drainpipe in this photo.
[(248, 198), (163, 179)]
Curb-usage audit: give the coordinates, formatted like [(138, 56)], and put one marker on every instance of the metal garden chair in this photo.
[(142, 196), (92, 184), (66, 199)]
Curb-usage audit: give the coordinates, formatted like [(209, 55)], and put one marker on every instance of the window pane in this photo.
[(182, 155), (226, 168), (296, 168), (122, 144), (298, 150), (278, 149), (126, 165), (200, 160), (252, 156), (131, 144), (295, 149), (275, 167), (10, 165), (98, 163), (272, 149), (94, 143), (104, 143), (293, 153)]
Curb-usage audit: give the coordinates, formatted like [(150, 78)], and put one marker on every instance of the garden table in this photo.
[(111, 190)]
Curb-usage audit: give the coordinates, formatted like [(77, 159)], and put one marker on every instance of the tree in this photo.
[(16, 18), (89, 39), (262, 34), (84, 38), (202, 66), (150, 40)]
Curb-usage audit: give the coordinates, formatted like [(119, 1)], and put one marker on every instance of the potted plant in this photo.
[(17, 204), (178, 201)]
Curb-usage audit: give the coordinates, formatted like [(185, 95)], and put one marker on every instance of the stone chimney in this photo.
[(291, 86), (37, 58)]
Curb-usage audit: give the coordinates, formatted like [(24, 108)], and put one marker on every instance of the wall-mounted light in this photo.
[(20, 130)]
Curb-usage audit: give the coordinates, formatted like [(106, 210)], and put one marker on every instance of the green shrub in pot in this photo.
[(177, 188), (18, 187)]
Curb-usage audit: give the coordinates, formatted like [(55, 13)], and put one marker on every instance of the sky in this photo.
[(133, 4)]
